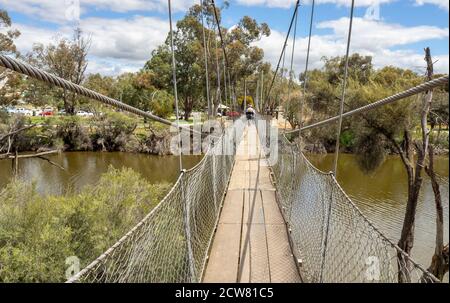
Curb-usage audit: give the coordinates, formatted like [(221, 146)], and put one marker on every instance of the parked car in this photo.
[(83, 113), (233, 114), (48, 111), (37, 112), (24, 111), (11, 110)]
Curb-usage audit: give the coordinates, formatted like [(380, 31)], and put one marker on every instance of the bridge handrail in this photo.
[(36, 73), (172, 232), (402, 95)]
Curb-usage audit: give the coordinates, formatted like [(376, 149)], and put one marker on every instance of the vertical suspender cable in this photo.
[(306, 68), (206, 60), (245, 94), (262, 91), (281, 78), (219, 91), (186, 211), (174, 75), (291, 70), (344, 84), (225, 80), (283, 50)]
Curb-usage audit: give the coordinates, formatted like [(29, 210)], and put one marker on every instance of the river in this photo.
[(83, 168), (381, 195)]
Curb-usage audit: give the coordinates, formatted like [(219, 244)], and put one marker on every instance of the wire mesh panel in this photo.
[(331, 236), (171, 243)]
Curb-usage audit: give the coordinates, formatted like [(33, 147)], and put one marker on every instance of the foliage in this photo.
[(38, 233), (73, 133), (9, 81), (64, 58), (248, 100), (112, 131)]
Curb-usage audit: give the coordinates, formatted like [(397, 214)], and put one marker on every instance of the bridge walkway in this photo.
[(251, 242)]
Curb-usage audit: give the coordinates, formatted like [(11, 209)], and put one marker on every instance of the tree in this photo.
[(244, 59), (9, 81), (66, 59), (394, 126)]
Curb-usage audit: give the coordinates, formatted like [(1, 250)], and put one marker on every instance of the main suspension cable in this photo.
[(399, 96)]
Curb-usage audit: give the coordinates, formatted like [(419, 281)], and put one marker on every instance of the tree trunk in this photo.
[(187, 108), (439, 264), (406, 241)]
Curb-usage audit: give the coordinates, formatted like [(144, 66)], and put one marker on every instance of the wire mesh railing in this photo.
[(171, 243), (329, 234)]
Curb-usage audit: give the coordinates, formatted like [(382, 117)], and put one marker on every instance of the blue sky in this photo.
[(124, 32)]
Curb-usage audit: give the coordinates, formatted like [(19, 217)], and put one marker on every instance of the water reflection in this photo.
[(82, 168)]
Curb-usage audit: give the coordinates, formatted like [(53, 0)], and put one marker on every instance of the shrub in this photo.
[(38, 233), (112, 132), (72, 133)]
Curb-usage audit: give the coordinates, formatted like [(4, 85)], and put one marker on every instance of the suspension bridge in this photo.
[(254, 209)]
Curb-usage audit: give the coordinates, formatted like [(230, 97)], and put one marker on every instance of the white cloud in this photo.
[(61, 11), (290, 3), (131, 39), (139, 5), (440, 3), (118, 45), (377, 39), (373, 35)]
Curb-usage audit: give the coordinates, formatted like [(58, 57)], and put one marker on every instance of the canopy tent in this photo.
[(222, 106)]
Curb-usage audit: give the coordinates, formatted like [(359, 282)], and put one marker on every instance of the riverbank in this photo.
[(110, 132)]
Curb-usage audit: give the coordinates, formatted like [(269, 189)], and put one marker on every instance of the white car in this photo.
[(24, 111), (82, 113)]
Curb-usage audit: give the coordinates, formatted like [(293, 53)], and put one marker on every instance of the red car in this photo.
[(233, 114), (47, 112)]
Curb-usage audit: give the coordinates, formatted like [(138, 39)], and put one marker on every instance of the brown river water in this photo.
[(380, 195)]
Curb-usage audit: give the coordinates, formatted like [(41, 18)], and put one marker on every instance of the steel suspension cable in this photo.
[(219, 91), (222, 41), (399, 96), (225, 80), (174, 76), (208, 99), (291, 69), (283, 49), (28, 70), (305, 81), (281, 78), (344, 84)]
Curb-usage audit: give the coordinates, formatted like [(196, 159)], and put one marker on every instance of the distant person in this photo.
[(250, 113)]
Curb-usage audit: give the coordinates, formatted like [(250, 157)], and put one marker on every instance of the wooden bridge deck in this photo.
[(251, 242)]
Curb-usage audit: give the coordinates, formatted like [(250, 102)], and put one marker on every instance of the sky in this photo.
[(124, 32)]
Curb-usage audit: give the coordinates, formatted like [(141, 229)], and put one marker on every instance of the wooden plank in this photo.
[(223, 260), (233, 207), (282, 263), (272, 214), (254, 261)]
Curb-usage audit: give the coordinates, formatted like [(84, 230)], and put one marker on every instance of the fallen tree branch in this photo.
[(51, 162), (31, 155)]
